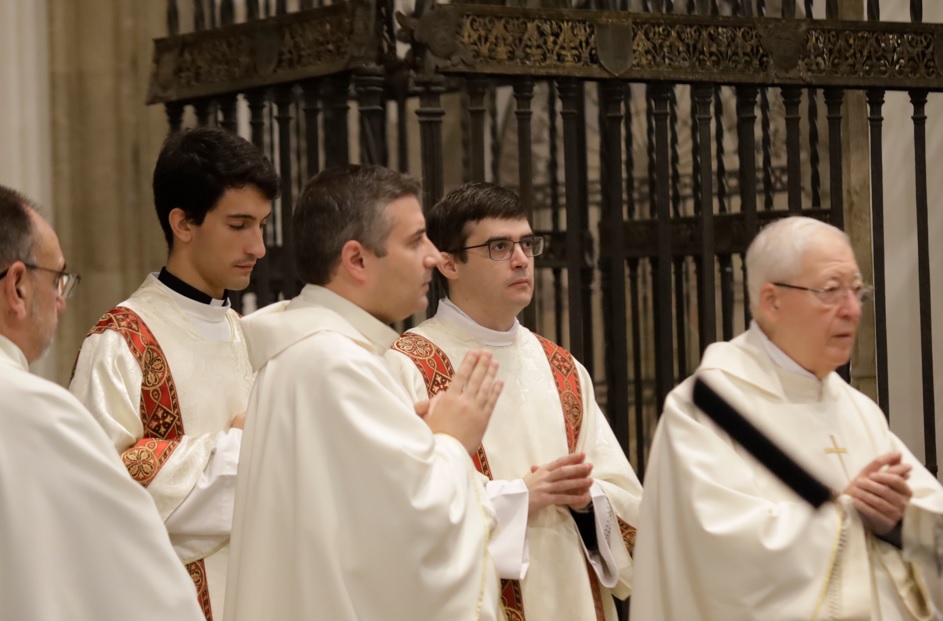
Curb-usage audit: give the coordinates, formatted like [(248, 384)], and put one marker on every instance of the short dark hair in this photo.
[(196, 167), (17, 234), (342, 204), (469, 203)]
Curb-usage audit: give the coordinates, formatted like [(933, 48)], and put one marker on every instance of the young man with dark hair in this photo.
[(353, 504), (547, 437), (166, 372), (66, 499)]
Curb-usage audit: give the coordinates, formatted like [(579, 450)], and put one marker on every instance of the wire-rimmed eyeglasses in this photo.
[(502, 249), (65, 281), (834, 295)]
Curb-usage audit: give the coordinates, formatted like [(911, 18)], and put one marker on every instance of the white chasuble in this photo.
[(527, 429), (79, 540), (205, 381), (721, 538), (348, 508)]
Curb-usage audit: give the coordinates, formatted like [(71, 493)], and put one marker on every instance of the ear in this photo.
[(769, 301), (354, 261), (447, 266), (181, 226), (16, 289)]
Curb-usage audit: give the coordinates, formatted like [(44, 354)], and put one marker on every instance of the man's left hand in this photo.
[(881, 493)]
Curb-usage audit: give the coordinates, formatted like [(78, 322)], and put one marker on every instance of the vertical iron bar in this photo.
[(173, 18), (831, 9), (495, 134), (726, 262), (555, 206), (203, 109), (875, 122), (227, 13), (664, 378), (252, 10), (916, 15), (199, 18), (336, 133), (227, 105), (789, 9), (312, 111), (174, 110), (284, 98), (707, 311), (616, 345), (476, 89), (833, 103), (262, 274), (919, 100), (371, 105), (430, 115), (570, 94), (523, 95), (585, 241), (746, 138), (792, 96)]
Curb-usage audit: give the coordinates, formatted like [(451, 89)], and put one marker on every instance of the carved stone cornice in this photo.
[(262, 53), (476, 38)]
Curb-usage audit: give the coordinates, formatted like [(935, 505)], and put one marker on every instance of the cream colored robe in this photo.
[(79, 540), (347, 507), (721, 538), (194, 489), (527, 428)]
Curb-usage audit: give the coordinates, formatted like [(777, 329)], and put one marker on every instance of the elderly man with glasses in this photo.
[(720, 538), (566, 496), (65, 497)]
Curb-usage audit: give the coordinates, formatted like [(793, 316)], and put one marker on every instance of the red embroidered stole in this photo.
[(160, 415), (437, 372)]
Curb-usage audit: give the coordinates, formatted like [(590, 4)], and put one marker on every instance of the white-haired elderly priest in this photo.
[(720, 538)]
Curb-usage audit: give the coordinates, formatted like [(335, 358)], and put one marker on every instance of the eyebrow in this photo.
[(507, 238), (246, 216)]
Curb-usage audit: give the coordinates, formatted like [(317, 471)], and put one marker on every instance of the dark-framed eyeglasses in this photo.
[(65, 281), (835, 295), (502, 249)]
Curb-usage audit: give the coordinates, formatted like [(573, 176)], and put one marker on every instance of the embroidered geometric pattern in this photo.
[(160, 415), (197, 571), (145, 459), (628, 535), (437, 372)]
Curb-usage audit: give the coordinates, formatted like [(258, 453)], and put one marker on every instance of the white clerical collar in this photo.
[(781, 358), (213, 312), (13, 352), (450, 313), (378, 333)]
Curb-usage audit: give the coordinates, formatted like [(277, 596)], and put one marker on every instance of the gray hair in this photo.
[(17, 233), (776, 252)]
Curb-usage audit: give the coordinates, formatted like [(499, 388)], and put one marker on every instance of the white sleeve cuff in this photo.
[(508, 546), (203, 520), (603, 560)]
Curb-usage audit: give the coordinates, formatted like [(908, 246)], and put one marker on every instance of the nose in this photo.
[(850, 306), (518, 258), (257, 243), (432, 257)]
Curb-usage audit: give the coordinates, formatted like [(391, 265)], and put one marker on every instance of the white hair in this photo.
[(775, 255)]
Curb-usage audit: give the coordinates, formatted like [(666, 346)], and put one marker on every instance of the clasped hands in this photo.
[(881, 493), (564, 482)]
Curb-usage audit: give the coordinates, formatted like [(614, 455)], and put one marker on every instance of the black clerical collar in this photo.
[(175, 284)]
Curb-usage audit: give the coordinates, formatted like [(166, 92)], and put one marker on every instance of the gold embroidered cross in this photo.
[(837, 450)]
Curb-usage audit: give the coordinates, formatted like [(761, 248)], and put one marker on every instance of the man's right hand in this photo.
[(238, 421), (564, 481), (463, 411)]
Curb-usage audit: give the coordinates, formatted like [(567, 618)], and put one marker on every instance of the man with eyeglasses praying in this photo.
[(720, 538), (78, 538), (166, 372), (566, 497)]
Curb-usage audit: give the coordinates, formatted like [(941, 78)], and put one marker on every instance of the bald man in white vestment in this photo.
[(79, 539), (558, 477), (720, 537), (352, 504)]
